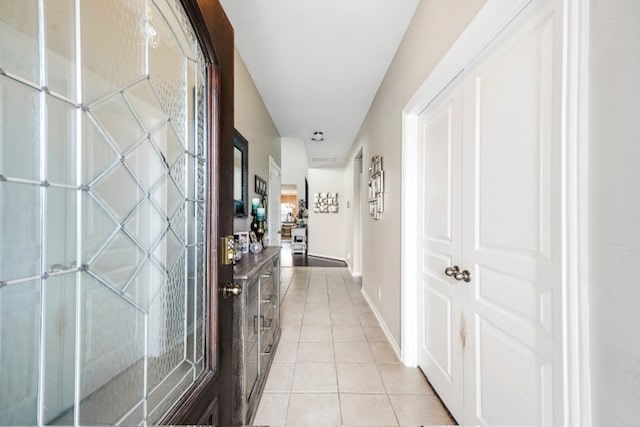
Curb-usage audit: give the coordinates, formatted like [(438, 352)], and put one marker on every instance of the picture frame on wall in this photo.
[(260, 186)]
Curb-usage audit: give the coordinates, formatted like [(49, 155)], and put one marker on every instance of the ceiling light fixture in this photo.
[(317, 136)]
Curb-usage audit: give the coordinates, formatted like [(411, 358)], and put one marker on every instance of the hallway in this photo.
[(334, 365)]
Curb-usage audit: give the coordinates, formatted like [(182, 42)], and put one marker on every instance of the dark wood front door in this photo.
[(209, 400)]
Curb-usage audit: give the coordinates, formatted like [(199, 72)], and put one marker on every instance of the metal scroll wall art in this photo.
[(325, 203), (376, 187)]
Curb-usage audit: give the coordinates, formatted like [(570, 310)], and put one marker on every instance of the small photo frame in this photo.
[(260, 186), (243, 238)]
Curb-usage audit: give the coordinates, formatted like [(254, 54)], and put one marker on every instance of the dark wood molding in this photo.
[(208, 398)]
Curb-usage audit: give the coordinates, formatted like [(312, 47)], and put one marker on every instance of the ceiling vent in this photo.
[(324, 159)]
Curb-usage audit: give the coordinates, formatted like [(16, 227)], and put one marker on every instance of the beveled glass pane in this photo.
[(117, 121), (118, 191), (145, 284), (191, 223), (146, 105), (19, 349), (118, 261), (59, 352), (61, 229), (112, 360), (61, 50), (167, 69), (191, 106), (167, 197), (167, 328), (113, 46), (178, 173), (146, 165), (167, 142), (97, 227), (178, 224), (20, 243), (165, 396), (200, 222), (201, 182), (97, 154), (146, 225), (168, 249), (200, 299), (20, 131), (61, 142), (19, 25)]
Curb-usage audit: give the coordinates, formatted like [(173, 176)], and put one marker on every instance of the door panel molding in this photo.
[(487, 25)]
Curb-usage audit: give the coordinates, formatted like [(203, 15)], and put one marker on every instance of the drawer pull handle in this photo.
[(272, 299), (266, 324)]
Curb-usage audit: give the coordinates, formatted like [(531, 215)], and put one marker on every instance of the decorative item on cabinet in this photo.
[(256, 318), (376, 187)]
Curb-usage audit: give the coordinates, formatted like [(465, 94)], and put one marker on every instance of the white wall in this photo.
[(294, 164), (253, 121), (434, 28), (327, 231), (614, 211)]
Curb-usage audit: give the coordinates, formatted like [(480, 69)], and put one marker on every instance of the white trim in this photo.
[(383, 324), (486, 26), (328, 257), (577, 371)]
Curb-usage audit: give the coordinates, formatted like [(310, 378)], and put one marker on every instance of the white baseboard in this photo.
[(383, 325), (327, 257)]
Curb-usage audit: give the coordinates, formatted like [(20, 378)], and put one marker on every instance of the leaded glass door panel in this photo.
[(103, 159)]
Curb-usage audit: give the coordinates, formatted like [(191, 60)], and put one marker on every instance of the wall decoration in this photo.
[(325, 202), (376, 187), (261, 186)]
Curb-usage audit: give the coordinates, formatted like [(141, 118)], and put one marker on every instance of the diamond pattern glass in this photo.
[(167, 141), (167, 197), (109, 190), (97, 227), (146, 225), (20, 247), (168, 65), (141, 289), (146, 105), (118, 261), (20, 130), (61, 146), (145, 285), (114, 38), (97, 153), (168, 249), (118, 122), (166, 328), (146, 165), (19, 24)]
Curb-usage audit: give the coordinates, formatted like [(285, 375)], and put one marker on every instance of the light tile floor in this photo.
[(334, 365)]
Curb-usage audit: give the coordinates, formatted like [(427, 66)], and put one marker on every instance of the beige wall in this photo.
[(327, 231), (253, 121), (614, 211), (434, 28)]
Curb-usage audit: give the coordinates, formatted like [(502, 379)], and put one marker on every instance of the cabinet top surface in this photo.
[(251, 263)]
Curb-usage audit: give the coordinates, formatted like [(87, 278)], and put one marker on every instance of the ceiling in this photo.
[(318, 63)]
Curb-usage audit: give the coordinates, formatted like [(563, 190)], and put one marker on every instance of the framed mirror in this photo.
[(240, 175)]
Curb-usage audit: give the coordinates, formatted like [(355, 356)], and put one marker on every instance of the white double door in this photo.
[(490, 197)]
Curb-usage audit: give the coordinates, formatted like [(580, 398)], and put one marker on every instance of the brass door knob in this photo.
[(231, 289)]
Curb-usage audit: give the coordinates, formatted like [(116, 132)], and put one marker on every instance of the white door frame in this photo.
[(274, 197), (488, 23)]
